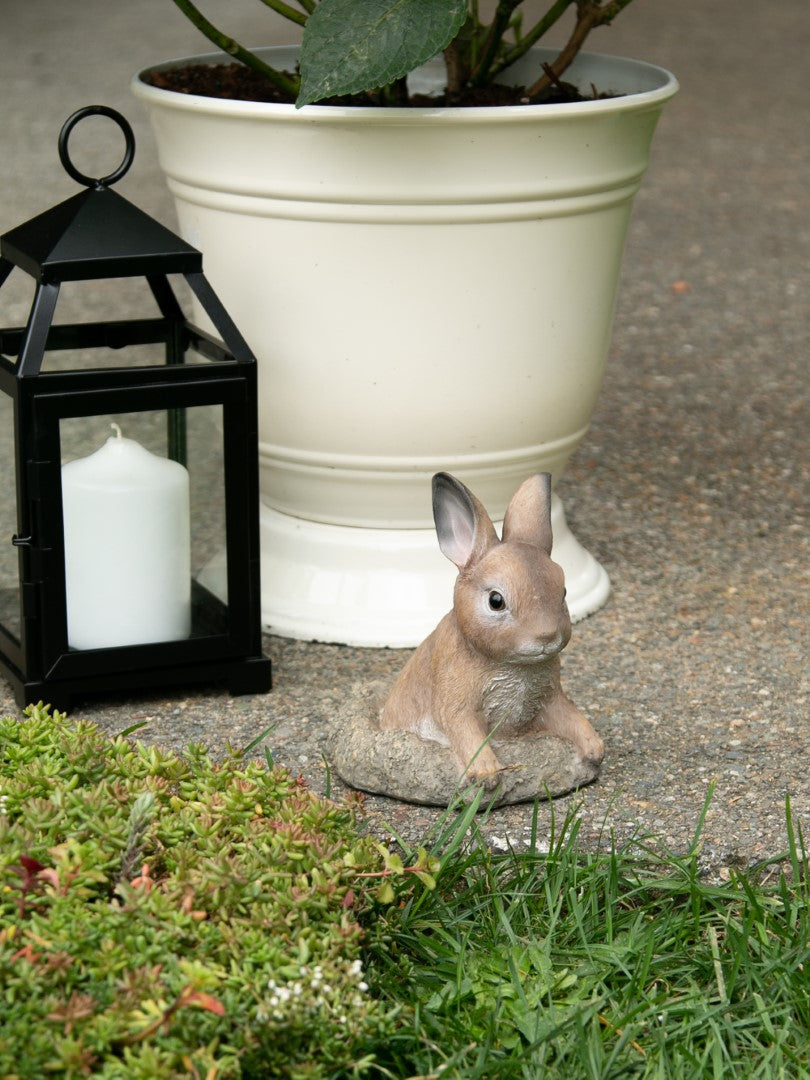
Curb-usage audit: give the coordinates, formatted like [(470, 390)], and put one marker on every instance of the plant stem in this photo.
[(288, 12), (590, 13), (456, 68), (279, 79), (497, 28), (553, 15), (396, 93)]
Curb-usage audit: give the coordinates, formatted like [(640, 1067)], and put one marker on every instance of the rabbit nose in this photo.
[(552, 644)]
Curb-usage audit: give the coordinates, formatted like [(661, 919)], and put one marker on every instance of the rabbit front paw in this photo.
[(488, 781), (592, 749), (483, 770)]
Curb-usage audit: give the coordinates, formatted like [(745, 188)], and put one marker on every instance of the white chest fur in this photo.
[(427, 728), (514, 696)]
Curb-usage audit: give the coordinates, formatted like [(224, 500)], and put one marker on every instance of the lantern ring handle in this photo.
[(64, 156)]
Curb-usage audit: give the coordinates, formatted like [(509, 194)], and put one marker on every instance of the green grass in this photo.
[(622, 964)]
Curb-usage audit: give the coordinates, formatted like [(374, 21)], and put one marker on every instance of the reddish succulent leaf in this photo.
[(203, 1001)]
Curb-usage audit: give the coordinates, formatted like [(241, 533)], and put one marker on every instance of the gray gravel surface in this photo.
[(692, 486)]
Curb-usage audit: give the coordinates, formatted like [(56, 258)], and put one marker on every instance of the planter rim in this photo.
[(664, 86)]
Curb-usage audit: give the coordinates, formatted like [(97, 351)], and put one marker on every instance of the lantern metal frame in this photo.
[(115, 239)]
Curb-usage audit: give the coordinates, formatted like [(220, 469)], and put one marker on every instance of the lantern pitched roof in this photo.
[(97, 234)]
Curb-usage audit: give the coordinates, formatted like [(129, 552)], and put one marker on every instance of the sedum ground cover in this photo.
[(164, 916), (168, 916)]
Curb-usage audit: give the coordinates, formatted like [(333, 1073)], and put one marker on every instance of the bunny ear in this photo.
[(463, 526), (528, 515)]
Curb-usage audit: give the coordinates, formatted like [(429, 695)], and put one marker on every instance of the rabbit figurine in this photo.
[(491, 668)]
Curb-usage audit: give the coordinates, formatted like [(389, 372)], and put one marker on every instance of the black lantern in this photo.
[(134, 494)]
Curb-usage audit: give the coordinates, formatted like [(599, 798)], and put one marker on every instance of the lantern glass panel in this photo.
[(100, 359), (17, 297), (80, 436), (10, 620), (205, 463), (80, 301), (178, 571)]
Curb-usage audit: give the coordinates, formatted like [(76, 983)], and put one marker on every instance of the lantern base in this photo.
[(251, 675), (142, 667)]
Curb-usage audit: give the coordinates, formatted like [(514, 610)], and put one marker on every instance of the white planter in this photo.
[(425, 290)]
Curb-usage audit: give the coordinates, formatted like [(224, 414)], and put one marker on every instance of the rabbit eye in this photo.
[(496, 601)]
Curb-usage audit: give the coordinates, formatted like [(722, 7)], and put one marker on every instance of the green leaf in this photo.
[(385, 893), (452, 993), (428, 880), (350, 46), (394, 863)]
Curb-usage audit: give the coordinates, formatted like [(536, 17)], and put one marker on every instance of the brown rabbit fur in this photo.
[(492, 665)]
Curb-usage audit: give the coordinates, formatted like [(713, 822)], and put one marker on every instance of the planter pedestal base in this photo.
[(383, 587)]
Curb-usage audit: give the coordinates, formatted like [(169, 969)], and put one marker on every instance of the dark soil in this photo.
[(240, 83)]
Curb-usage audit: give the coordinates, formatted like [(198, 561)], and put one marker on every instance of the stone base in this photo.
[(415, 770)]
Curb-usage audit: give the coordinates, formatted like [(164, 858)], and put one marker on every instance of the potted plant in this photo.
[(428, 284)]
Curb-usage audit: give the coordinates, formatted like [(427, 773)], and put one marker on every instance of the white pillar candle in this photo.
[(127, 547)]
